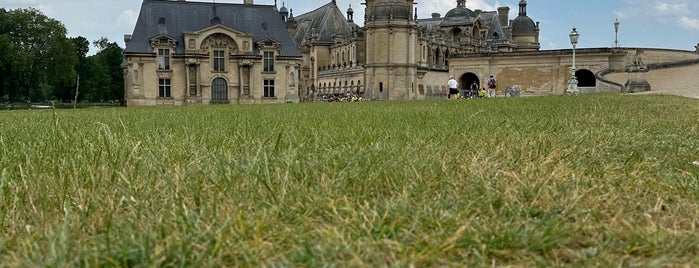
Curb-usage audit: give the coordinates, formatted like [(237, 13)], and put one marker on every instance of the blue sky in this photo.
[(670, 24)]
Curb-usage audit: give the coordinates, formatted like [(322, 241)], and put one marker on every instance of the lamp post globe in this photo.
[(573, 81)]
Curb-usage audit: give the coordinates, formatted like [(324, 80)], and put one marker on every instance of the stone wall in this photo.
[(547, 72), (656, 55)]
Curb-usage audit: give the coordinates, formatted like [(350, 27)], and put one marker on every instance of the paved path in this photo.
[(681, 81)]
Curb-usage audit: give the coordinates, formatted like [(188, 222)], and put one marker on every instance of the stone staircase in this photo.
[(682, 80)]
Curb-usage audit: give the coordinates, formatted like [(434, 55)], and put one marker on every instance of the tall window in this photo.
[(268, 58), (219, 60), (219, 89), (164, 88), (269, 88), (163, 59)]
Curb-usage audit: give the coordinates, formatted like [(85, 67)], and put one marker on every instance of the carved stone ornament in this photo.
[(269, 44), (163, 41), (219, 40)]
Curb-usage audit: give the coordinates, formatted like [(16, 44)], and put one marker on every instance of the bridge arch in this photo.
[(585, 78)]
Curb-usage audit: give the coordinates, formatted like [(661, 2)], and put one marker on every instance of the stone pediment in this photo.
[(220, 28), (163, 40), (219, 36), (269, 43)]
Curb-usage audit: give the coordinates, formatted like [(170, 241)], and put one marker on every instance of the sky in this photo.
[(672, 24)]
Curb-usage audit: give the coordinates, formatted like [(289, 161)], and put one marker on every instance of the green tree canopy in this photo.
[(38, 62), (35, 54), (104, 77)]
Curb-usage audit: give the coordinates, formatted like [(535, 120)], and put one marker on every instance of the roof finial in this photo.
[(460, 3)]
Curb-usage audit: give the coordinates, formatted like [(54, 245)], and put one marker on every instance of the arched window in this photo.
[(219, 90)]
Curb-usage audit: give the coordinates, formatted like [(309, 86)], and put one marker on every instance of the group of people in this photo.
[(475, 91), (347, 97)]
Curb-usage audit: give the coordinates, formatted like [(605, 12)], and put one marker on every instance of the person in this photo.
[(481, 93), (492, 86), (474, 89), (453, 88)]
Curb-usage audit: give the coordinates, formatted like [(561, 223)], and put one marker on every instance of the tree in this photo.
[(80, 47), (103, 76), (35, 54)]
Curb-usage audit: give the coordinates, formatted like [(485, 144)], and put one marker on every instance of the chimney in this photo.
[(504, 14), (436, 15), (127, 38), (249, 2)]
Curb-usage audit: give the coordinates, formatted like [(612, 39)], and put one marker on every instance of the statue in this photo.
[(696, 48), (638, 59)]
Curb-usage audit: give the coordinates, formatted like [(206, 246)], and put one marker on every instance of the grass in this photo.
[(593, 180)]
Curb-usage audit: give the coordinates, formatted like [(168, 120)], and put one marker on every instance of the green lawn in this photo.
[(592, 180)]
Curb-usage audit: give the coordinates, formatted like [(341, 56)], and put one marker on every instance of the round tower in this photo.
[(524, 30)]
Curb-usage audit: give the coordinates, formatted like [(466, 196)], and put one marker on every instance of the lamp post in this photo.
[(573, 81), (616, 33)]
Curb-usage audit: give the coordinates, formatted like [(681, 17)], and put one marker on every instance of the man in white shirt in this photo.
[(453, 88)]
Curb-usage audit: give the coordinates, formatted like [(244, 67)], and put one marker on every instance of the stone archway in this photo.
[(466, 79), (585, 78), (219, 91)]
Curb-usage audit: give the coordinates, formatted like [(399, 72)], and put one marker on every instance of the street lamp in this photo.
[(573, 81), (616, 33)]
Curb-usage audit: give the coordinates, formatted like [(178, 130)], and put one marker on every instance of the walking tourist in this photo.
[(453, 88), (492, 87), (474, 88)]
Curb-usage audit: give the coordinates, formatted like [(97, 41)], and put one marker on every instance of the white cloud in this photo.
[(19, 2), (443, 6), (689, 23), (127, 19), (671, 9), (660, 8), (47, 10), (621, 14)]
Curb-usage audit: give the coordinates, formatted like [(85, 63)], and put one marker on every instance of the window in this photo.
[(164, 88), (219, 60), (268, 58), (268, 88), (163, 59), (219, 90)]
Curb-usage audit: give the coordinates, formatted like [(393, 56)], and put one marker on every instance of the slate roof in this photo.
[(491, 20), (488, 19), (326, 21), (523, 25), (430, 25), (187, 16)]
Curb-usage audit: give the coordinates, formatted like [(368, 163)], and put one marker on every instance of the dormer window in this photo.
[(268, 59), (268, 48), (163, 46), (164, 59)]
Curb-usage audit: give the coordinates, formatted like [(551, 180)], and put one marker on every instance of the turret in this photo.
[(350, 14)]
